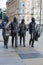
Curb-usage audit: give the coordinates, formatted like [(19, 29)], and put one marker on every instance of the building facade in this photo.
[(20, 9), (24, 9), (36, 10)]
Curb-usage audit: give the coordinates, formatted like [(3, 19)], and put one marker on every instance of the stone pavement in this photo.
[(22, 55)]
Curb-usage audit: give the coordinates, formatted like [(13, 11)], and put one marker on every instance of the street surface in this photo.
[(22, 55)]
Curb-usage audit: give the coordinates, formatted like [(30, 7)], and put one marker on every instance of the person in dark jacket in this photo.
[(14, 31), (22, 32), (3, 24), (32, 32)]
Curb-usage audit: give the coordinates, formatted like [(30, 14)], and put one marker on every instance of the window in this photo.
[(1, 15), (28, 4), (27, 18), (23, 17), (23, 4), (29, 11), (37, 4), (23, 11), (38, 18)]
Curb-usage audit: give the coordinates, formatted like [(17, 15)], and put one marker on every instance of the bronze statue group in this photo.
[(15, 29)]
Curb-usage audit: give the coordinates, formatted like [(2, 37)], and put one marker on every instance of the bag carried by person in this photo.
[(36, 35), (30, 28), (8, 31)]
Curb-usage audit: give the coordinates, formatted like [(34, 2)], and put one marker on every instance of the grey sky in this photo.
[(3, 4)]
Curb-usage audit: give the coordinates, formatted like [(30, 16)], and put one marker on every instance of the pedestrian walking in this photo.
[(22, 32), (32, 26), (4, 30), (14, 31)]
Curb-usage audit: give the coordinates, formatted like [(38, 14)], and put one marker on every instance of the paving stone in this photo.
[(30, 55), (10, 61)]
